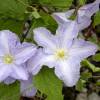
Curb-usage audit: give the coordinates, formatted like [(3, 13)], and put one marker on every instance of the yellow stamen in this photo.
[(8, 59), (60, 54)]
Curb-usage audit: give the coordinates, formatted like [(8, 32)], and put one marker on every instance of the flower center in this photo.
[(60, 54), (8, 59)]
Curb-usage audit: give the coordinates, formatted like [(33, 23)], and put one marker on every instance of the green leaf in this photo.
[(80, 85), (9, 92), (96, 57), (50, 23), (98, 83), (36, 23), (73, 16), (49, 84), (13, 8), (82, 81), (12, 24), (44, 21), (56, 3), (91, 66), (33, 1), (86, 75), (93, 39), (35, 14), (82, 2), (97, 18)]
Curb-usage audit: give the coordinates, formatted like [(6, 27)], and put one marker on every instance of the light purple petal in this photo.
[(24, 53), (44, 38), (33, 64), (85, 13), (19, 72), (62, 17), (38, 60), (89, 9), (4, 41), (83, 22), (82, 49), (7, 40), (49, 60), (67, 32), (27, 88), (68, 71), (69, 13), (97, 1), (9, 80), (5, 71)]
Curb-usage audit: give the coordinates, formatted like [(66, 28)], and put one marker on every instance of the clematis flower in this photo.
[(63, 52), (26, 87), (9, 80), (89, 9), (35, 62), (62, 17), (13, 55), (83, 15)]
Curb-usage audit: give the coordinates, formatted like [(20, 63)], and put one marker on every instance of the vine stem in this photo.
[(96, 76), (33, 8), (23, 36)]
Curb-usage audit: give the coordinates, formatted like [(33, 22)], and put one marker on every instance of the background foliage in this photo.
[(21, 17)]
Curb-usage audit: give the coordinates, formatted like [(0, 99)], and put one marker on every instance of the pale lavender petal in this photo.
[(62, 17), (83, 22), (27, 89), (19, 46), (38, 60), (44, 38), (69, 13), (68, 71), (49, 60), (9, 80), (82, 49), (1, 52), (98, 1), (85, 13), (67, 32), (19, 72), (5, 71), (7, 40), (33, 64), (26, 44), (89, 9), (24, 53)]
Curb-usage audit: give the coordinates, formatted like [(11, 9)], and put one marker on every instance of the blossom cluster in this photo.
[(63, 51)]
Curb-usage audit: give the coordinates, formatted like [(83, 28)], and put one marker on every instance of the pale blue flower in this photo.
[(89, 9), (9, 80), (26, 87), (83, 15), (62, 17), (35, 62), (13, 55), (63, 51)]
